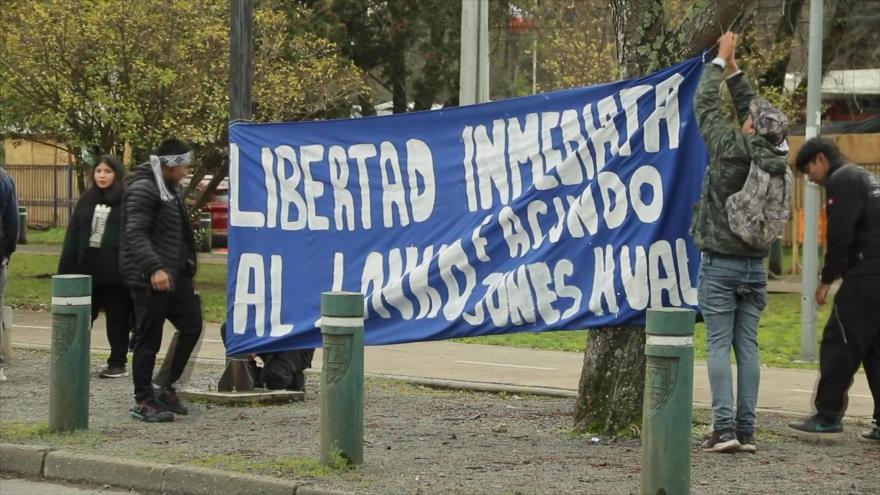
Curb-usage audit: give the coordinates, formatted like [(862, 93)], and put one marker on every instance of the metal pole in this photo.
[(483, 53), (535, 52), (342, 377), (241, 49), (467, 77), (474, 62), (22, 224), (55, 197), (69, 368), (535, 64), (668, 404), (205, 223), (775, 263), (236, 376), (809, 277), (70, 199)]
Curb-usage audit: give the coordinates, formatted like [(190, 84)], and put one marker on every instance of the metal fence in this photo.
[(48, 192)]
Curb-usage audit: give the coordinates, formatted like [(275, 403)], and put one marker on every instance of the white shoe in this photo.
[(2, 375)]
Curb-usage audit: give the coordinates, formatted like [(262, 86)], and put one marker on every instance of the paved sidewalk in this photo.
[(485, 366)]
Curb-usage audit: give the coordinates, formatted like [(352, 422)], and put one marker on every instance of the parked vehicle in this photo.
[(217, 206)]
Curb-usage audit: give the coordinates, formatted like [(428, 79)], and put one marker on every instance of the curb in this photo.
[(489, 387), (38, 461)]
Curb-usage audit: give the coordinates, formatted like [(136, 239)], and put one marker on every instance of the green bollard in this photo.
[(69, 369), (342, 377), (205, 223), (22, 224), (668, 406)]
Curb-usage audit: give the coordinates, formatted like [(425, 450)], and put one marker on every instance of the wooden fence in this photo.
[(48, 192)]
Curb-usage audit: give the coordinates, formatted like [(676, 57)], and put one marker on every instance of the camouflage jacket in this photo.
[(730, 156)]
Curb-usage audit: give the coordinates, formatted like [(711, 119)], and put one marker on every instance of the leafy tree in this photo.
[(103, 75), (408, 48), (576, 45)]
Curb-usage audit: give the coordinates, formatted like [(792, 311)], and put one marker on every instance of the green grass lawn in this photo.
[(30, 284), (53, 236), (779, 335)]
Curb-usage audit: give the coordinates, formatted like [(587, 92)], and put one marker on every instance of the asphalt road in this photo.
[(16, 486)]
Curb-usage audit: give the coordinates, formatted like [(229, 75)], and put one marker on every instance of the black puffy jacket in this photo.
[(155, 234)]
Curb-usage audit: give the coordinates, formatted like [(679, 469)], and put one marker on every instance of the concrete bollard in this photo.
[(22, 224), (342, 377), (69, 368), (668, 406), (205, 223)]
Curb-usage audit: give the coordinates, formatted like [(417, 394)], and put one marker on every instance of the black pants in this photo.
[(851, 338), (183, 309), (116, 302)]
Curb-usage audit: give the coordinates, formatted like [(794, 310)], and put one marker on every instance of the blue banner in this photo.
[(564, 210)]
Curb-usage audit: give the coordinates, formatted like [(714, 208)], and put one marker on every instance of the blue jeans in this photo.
[(732, 293)]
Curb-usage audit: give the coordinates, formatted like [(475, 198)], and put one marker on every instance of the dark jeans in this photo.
[(117, 305), (851, 338), (183, 309)]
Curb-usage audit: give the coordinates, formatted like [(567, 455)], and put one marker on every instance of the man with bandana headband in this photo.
[(158, 263)]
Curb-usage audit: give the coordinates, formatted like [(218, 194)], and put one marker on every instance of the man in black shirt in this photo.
[(852, 334)]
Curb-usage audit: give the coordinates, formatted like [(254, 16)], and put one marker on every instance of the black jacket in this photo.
[(155, 234), (102, 263), (8, 216), (853, 209)]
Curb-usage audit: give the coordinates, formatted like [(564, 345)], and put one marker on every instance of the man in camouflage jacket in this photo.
[(733, 280)]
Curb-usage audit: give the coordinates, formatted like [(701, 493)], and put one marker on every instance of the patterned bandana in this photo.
[(769, 123), (156, 163)]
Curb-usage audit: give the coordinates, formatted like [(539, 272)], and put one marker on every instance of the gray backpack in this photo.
[(760, 210)]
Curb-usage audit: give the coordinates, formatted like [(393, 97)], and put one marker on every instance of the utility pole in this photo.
[(809, 276), (535, 53), (237, 377), (241, 49), (474, 62)]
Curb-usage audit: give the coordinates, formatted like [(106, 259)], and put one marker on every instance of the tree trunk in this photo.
[(612, 381), (613, 377)]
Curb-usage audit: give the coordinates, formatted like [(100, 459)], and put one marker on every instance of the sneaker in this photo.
[(721, 441), (151, 412), (110, 371), (2, 374), (817, 428), (870, 436), (747, 442), (167, 398)]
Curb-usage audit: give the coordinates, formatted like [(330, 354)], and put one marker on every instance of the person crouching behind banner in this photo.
[(732, 280), (158, 262), (91, 247), (282, 370)]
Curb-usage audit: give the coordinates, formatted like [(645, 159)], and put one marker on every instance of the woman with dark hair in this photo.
[(91, 247)]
